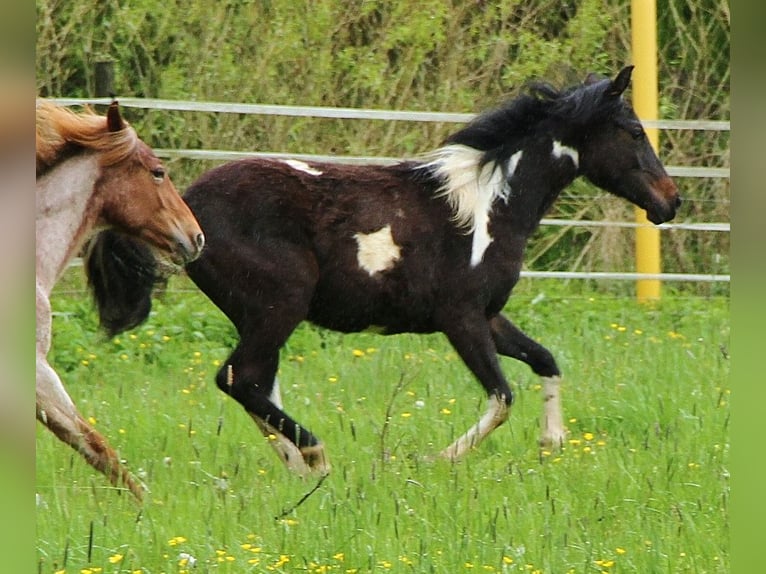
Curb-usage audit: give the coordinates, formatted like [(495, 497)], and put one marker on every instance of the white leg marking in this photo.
[(302, 166), (497, 413), (276, 395), (553, 432), (560, 150), (303, 462), (377, 251)]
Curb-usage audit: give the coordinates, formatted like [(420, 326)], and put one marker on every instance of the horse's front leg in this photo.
[(511, 342), (472, 339)]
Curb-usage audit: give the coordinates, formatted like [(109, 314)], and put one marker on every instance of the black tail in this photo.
[(122, 273)]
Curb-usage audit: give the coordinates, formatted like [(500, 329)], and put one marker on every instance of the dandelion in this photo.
[(620, 551), (115, 558), (588, 436), (507, 560), (339, 556), (445, 411), (358, 353), (92, 420), (176, 540), (332, 379)]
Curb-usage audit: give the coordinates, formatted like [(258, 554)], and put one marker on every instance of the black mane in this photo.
[(577, 106)]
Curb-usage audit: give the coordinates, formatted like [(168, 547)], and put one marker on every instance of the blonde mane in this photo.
[(57, 128)]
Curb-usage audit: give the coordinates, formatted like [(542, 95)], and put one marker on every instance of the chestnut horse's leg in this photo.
[(511, 342), (56, 411)]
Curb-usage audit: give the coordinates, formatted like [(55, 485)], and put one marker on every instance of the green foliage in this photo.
[(640, 486), (457, 56)]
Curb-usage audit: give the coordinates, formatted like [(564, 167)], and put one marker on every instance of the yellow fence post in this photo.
[(643, 19)]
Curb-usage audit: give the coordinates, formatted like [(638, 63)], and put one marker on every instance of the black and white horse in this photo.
[(421, 246)]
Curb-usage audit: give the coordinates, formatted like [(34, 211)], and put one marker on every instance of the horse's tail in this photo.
[(122, 274)]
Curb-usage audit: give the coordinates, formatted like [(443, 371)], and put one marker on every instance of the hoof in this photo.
[(315, 459), (553, 439)]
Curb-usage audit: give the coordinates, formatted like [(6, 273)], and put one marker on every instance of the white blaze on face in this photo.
[(302, 166), (377, 251), (560, 150)]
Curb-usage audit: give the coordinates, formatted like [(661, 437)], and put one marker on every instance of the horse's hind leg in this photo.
[(511, 342)]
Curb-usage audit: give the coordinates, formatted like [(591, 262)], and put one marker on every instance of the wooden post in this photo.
[(104, 75), (643, 19)]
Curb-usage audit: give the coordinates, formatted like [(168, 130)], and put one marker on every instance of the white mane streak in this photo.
[(468, 191)]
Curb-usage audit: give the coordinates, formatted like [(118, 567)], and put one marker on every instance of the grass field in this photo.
[(640, 486)]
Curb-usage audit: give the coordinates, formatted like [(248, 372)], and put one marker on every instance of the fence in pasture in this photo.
[(445, 117)]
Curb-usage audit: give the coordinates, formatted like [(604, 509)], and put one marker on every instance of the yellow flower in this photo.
[(588, 436), (620, 550), (507, 560), (114, 559), (358, 353)]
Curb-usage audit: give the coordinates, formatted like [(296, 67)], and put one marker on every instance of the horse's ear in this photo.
[(620, 83), (113, 118)]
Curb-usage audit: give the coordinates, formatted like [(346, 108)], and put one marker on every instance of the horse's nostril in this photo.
[(200, 240), (678, 201)]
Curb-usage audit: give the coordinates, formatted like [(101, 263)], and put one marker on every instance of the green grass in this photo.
[(641, 485)]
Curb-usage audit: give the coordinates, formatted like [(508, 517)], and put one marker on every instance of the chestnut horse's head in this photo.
[(138, 198)]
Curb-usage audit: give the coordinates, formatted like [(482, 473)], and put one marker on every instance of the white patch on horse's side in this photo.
[(302, 166), (560, 150), (377, 250)]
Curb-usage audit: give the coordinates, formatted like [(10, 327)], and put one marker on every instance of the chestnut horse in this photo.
[(420, 246), (94, 173)]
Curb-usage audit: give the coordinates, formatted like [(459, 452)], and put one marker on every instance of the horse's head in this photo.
[(616, 155), (140, 199)]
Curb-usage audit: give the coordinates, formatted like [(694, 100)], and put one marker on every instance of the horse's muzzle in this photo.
[(666, 201)]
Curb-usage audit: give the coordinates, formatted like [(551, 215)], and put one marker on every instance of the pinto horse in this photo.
[(94, 173), (420, 246)]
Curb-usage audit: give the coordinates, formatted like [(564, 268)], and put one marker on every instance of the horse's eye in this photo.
[(158, 174)]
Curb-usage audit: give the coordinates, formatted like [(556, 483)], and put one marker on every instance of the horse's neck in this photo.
[(530, 192), (64, 219)]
